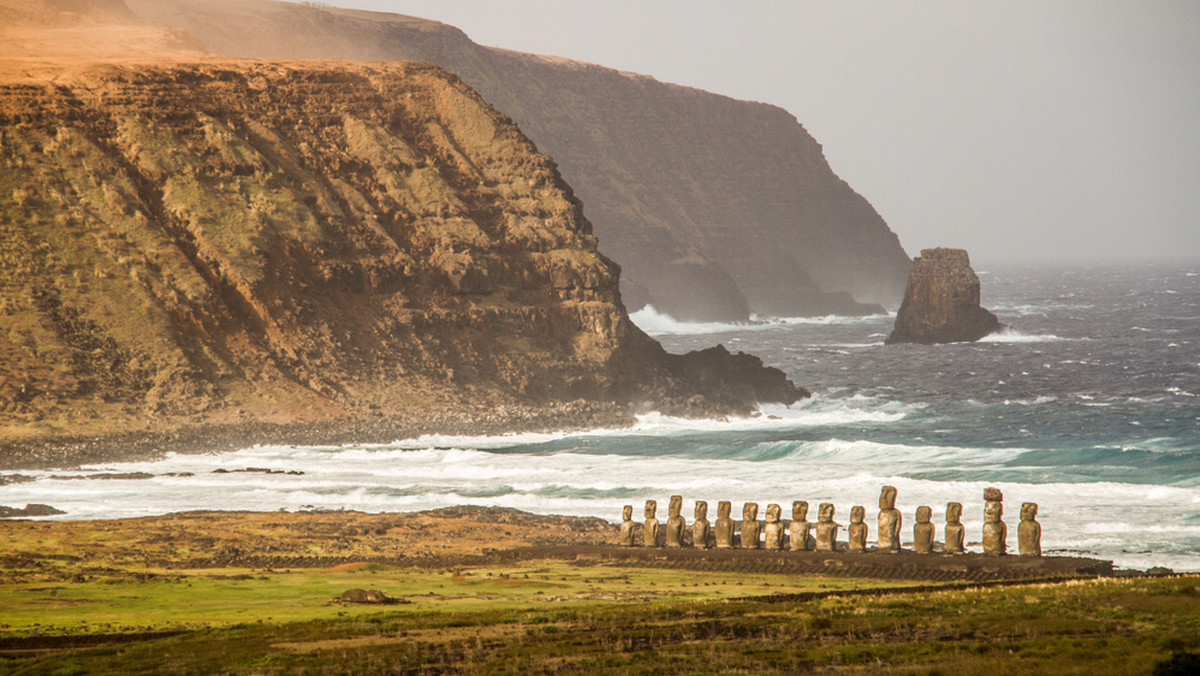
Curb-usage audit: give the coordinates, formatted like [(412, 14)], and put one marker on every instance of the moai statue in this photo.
[(1029, 531), (773, 531), (889, 521), (650, 529), (995, 533), (750, 527), (857, 531), (628, 526), (675, 522), (923, 531), (798, 530), (826, 529), (724, 525), (700, 527), (954, 529)]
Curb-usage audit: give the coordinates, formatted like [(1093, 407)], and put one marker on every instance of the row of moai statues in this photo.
[(822, 536)]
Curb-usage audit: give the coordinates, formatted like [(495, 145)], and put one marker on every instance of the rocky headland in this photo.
[(942, 301), (200, 252), (713, 207)]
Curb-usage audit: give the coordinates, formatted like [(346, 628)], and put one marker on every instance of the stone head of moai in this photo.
[(774, 513), (675, 506), (750, 511), (953, 512), (627, 513), (825, 512), (992, 511), (1029, 511), (724, 509), (887, 497), (651, 508), (799, 510), (924, 514), (857, 514), (701, 510)]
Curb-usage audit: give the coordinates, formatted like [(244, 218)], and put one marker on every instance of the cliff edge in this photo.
[(190, 244), (941, 302), (713, 207)]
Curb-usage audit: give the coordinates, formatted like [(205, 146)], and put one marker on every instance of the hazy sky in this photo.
[(1024, 128)]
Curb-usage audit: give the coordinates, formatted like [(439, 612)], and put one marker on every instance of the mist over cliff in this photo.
[(713, 207)]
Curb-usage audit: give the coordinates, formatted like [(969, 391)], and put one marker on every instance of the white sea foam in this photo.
[(1010, 335), (658, 323)]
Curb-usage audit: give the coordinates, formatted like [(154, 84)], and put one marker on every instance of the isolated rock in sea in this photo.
[(941, 302)]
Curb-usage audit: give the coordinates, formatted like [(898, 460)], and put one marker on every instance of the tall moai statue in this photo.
[(995, 533), (799, 528), (773, 530), (1029, 531), (650, 529), (750, 527), (628, 526), (955, 532), (924, 531), (724, 525), (889, 521), (675, 522), (856, 532), (826, 529), (700, 526)]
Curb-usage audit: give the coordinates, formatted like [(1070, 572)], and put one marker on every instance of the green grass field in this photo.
[(550, 617)]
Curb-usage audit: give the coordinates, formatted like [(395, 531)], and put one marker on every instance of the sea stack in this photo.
[(941, 301)]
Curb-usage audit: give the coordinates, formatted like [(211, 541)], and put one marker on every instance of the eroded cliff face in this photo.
[(292, 242), (713, 207), (942, 301)]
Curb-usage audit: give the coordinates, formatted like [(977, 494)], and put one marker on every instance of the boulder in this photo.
[(941, 301), (366, 596)]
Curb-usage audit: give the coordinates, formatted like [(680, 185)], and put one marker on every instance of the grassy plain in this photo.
[(103, 597)]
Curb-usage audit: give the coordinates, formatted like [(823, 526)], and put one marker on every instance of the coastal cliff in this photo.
[(942, 301), (228, 242), (713, 207)]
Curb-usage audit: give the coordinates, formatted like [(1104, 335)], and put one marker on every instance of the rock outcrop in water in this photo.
[(712, 207), (941, 302), (188, 244)]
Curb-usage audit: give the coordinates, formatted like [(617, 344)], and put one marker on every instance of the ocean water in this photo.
[(1089, 406)]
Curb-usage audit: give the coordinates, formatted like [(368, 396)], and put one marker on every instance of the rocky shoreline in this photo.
[(61, 452)]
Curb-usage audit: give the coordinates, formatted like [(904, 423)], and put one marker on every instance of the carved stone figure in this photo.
[(799, 528), (700, 526), (954, 529), (857, 531), (675, 522), (1029, 531), (750, 527), (628, 526), (724, 525), (889, 521), (650, 529), (923, 531), (826, 528), (773, 530), (995, 533)]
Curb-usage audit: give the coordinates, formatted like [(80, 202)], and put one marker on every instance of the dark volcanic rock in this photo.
[(941, 302), (30, 510), (367, 596)]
